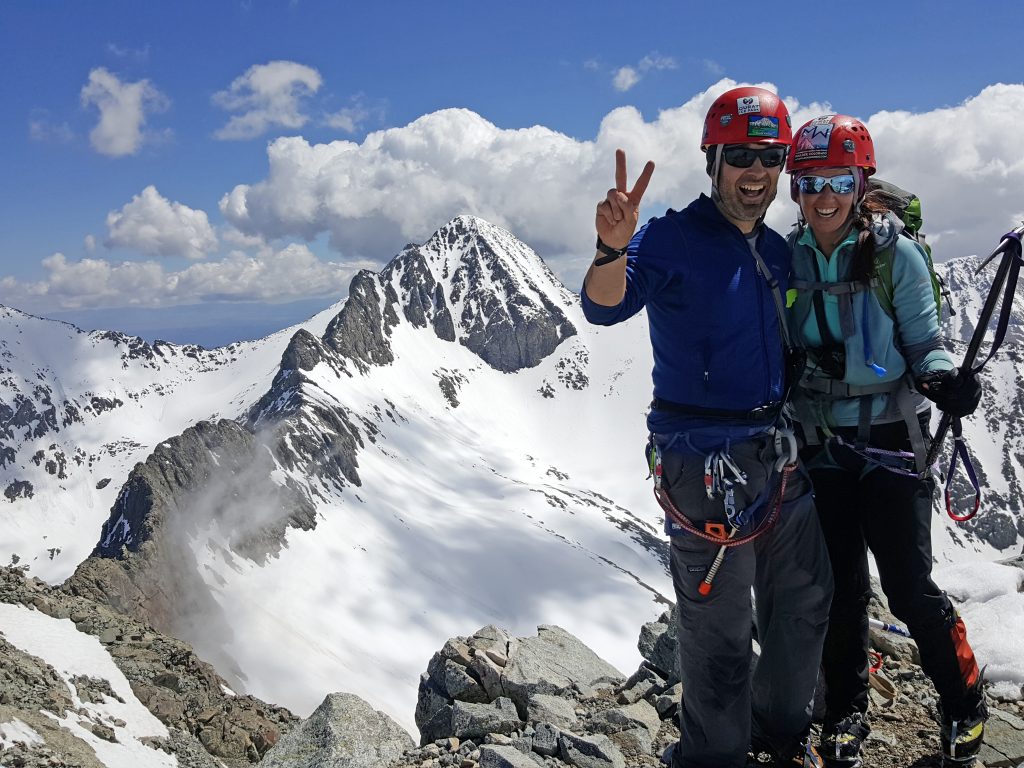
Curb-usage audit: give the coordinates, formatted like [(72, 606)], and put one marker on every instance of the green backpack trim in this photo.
[(907, 206)]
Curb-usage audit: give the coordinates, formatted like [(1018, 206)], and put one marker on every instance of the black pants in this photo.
[(864, 507)]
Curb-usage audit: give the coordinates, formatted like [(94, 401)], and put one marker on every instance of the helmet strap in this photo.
[(714, 169)]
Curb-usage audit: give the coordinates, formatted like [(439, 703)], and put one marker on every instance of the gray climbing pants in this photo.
[(726, 705)]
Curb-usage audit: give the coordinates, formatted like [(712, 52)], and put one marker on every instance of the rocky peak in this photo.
[(472, 283)]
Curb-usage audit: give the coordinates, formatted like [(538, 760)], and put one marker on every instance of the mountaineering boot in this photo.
[(760, 757), (840, 744), (962, 736)]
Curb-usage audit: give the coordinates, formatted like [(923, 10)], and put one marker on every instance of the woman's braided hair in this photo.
[(862, 267)]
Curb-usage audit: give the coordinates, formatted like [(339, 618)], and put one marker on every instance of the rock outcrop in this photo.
[(491, 699), (207, 722), (343, 732), (215, 473), (577, 715)]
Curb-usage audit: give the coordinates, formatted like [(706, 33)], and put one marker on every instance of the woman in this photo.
[(866, 313)]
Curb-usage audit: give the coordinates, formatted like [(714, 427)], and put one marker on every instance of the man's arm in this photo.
[(615, 221), (606, 284)]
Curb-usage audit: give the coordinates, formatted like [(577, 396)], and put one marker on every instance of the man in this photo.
[(738, 509)]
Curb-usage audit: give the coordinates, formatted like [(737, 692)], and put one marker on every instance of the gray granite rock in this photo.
[(642, 683), (638, 715), (545, 739), (659, 644), (1004, 740), (475, 721), (593, 751), (551, 663), (343, 732), (496, 756), (542, 708)]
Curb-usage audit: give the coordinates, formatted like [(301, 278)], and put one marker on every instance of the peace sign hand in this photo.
[(618, 213)]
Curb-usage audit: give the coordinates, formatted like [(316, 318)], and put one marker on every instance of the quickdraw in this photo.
[(721, 476), (766, 522)]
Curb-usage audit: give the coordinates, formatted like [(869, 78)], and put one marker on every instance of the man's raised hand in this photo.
[(618, 213)]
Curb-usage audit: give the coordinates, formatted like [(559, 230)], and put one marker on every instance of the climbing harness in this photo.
[(721, 476)]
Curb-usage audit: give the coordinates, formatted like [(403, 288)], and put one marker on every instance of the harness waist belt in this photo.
[(835, 289), (763, 413), (841, 389)]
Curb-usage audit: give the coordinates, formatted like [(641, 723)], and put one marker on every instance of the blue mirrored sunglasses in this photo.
[(812, 185)]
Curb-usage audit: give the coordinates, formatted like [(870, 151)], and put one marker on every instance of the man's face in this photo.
[(746, 193)]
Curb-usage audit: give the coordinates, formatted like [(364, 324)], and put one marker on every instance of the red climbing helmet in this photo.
[(832, 141), (747, 115)]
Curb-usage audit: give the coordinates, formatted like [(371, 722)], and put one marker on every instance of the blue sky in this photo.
[(132, 129)]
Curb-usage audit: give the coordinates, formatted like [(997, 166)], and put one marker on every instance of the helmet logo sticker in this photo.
[(812, 143), (762, 126), (747, 104), (725, 119), (848, 145)]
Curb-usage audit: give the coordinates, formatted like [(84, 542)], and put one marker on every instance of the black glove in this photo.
[(955, 393)]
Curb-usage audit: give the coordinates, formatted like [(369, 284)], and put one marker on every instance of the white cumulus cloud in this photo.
[(289, 273), (965, 162), (153, 225), (123, 109), (266, 96), (626, 77), (401, 184)]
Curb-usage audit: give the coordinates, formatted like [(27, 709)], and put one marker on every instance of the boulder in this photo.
[(659, 644), (552, 663), (475, 721), (543, 708), (343, 732), (596, 751), (497, 756)]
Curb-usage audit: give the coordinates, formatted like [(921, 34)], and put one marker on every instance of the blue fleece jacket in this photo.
[(713, 323)]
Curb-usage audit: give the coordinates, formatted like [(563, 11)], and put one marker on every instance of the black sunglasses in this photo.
[(743, 157)]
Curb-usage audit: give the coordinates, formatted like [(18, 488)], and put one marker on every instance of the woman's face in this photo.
[(827, 213)]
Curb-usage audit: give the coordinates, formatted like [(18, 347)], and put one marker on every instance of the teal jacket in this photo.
[(908, 342)]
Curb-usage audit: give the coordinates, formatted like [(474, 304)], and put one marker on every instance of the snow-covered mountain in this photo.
[(452, 446)]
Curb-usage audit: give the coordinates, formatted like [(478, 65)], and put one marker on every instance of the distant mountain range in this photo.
[(451, 446)]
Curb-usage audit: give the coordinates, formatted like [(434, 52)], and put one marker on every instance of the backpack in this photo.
[(907, 206)]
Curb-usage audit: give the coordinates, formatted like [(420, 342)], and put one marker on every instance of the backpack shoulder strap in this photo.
[(794, 235), (885, 292), (884, 288)]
